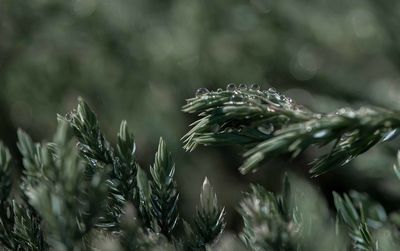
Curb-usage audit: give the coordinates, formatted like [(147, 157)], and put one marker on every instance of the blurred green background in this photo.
[(140, 59)]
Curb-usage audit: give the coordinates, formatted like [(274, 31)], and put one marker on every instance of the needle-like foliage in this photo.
[(266, 223), (19, 224), (99, 152), (94, 196), (66, 199), (134, 237), (209, 222), (164, 194), (267, 124), (32, 160), (295, 219), (355, 220), (155, 197), (20, 228), (5, 173)]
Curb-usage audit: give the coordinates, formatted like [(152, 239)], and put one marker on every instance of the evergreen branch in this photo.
[(27, 229), (265, 224), (126, 173), (269, 124), (164, 194), (5, 173), (92, 142), (209, 222), (95, 147), (20, 228), (66, 199), (134, 237), (31, 159), (6, 225), (19, 224), (360, 232), (145, 199)]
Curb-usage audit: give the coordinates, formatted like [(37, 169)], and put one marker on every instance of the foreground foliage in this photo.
[(80, 192)]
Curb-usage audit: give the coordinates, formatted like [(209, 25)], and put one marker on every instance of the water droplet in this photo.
[(390, 135), (201, 92), (266, 129), (231, 87), (272, 90), (243, 87), (219, 90), (321, 134), (255, 87), (308, 128)]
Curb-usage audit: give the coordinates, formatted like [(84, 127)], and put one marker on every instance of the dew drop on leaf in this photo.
[(231, 87), (255, 87), (219, 90), (201, 92), (243, 87)]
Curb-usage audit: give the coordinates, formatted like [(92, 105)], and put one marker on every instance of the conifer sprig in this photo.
[(359, 230), (209, 222), (164, 193), (266, 226), (20, 228), (66, 199), (99, 152), (126, 174), (31, 159), (268, 124), (134, 237), (5, 173), (92, 142)]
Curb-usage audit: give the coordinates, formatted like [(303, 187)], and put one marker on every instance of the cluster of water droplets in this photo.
[(242, 87), (244, 92), (274, 97)]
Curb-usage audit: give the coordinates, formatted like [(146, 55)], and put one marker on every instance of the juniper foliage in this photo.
[(80, 192), (267, 123), (164, 194)]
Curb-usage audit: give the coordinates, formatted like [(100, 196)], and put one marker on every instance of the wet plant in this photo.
[(81, 192)]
